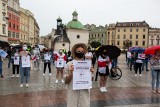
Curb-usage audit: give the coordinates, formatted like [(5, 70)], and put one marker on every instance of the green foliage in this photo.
[(95, 44)]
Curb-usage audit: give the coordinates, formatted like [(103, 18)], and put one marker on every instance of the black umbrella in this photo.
[(110, 50), (4, 44)]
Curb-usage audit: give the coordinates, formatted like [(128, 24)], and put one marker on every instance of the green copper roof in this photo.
[(75, 25), (74, 13)]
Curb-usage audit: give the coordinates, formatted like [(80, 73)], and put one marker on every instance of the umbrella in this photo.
[(111, 50), (130, 48), (152, 50), (138, 49), (4, 43)]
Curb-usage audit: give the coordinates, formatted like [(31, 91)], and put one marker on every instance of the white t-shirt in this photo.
[(128, 55)]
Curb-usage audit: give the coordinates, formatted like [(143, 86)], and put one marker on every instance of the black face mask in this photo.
[(103, 56), (79, 54)]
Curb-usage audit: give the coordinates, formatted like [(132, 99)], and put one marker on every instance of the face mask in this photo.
[(24, 48), (79, 54)]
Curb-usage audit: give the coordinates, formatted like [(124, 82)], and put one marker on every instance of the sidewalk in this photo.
[(129, 91)]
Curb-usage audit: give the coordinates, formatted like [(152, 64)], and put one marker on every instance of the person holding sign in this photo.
[(47, 61), (16, 63), (60, 62), (138, 63), (72, 69), (24, 65), (1, 62)]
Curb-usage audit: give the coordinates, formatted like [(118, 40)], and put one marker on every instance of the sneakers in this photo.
[(21, 85), (56, 81), (140, 75), (43, 74), (103, 89), (50, 74), (27, 85), (17, 76), (12, 76), (135, 74), (1, 76), (62, 81)]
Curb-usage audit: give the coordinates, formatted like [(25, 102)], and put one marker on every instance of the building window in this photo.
[(130, 30), (157, 41), (13, 35), (123, 42), (3, 6), (92, 35), (63, 44), (4, 29), (124, 36), (78, 36), (95, 35), (102, 35), (117, 42), (144, 36), (136, 43), (118, 36), (17, 35), (14, 26), (118, 30), (144, 30), (102, 41), (108, 33), (130, 36), (9, 33), (143, 43), (17, 27), (98, 35), (137, 30), (136, 36), (10, 24), (4, 16), (151, 42), (124, 30)]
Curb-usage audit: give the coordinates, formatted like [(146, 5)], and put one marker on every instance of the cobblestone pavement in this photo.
[(129, 91)]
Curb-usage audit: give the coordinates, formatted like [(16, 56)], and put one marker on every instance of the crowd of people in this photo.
[(21, 59), (140, 61)]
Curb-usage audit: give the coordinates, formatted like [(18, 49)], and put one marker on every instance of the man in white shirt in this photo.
[(128, 58)]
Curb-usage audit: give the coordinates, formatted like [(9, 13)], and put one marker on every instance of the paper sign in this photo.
[(82, 75), (60, 63), (3, 53), (25, 61), (16, 60), (47, 56)]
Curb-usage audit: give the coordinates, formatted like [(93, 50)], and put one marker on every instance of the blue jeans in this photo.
[(24, 72), (155, 78), (1, 66), (145, 62)]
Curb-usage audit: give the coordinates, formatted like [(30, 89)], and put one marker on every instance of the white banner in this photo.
[(60, 63), (26, 61), (82, 75), (16, 60), (47, 56)]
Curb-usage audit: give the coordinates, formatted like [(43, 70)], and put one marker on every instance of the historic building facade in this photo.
[(136, 33), (13, 21), (67, 36), (96, 33), (3, 21), (36, 32), (110, 39), (154, 36), (24, 26)]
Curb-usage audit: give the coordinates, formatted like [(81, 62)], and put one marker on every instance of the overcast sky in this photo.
[(98, 12)]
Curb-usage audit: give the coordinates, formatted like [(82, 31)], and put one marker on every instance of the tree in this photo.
[(95, 44), (127, 44)]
